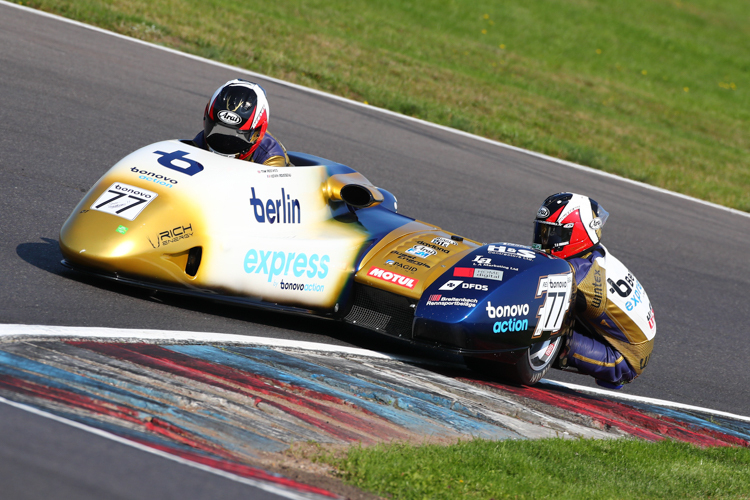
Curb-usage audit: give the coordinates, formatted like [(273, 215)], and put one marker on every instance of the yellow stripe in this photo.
[(594, 362)]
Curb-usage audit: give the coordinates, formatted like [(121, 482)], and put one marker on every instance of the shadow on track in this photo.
[(46, 255)]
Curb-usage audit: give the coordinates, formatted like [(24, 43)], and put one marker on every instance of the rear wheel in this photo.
[(530, 368)]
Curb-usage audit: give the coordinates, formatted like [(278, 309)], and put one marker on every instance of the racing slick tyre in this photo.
[(530, 368)]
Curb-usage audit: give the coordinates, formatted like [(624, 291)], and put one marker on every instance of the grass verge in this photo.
[(654, 90), (548, 468)]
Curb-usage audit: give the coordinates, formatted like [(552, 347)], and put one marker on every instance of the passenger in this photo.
[(614, 329), (235, 123)]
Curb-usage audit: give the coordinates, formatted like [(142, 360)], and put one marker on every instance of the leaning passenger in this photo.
[(614, 330)]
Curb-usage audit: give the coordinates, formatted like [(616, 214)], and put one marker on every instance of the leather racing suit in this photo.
[(615, 327), (269, 152)]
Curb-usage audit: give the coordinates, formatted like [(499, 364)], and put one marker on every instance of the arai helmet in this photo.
[(568, 224), (236, 119)]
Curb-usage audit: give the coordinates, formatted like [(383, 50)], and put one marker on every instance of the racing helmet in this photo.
[(568, 224), (236, 119)]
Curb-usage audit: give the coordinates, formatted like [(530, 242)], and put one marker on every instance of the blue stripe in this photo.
[(733, 428), (421, 414), (198, 425)]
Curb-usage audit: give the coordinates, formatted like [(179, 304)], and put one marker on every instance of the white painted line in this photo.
[(257, 483), (7, 332), (641, 399), (177, 336), (385, 111)]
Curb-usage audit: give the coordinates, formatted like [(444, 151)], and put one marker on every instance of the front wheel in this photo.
[(537, 360), (530, 368)]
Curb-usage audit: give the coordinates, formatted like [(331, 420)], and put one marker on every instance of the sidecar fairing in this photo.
[(316, 238), (490, 302), (174, 217)]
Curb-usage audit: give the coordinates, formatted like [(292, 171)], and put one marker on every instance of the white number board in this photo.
[(557, 289), (124, 200)]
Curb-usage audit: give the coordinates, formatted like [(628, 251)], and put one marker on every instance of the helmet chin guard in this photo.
[(568, 224)]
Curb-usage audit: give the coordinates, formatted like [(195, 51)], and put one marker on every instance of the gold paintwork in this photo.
[(393, 247), (318, 253), (88, 238)]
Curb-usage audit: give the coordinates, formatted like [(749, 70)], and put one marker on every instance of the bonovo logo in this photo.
[(153, 177), (511, 324), (500, 311)]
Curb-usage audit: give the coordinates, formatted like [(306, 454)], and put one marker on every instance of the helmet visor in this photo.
[(551, 235), (228, 140)]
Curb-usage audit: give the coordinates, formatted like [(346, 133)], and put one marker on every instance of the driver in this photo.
[(614, 330), (235, 122)]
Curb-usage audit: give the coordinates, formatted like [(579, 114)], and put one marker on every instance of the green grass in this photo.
[(653, 90), (549, 468)]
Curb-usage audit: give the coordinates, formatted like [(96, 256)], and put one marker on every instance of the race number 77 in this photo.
[(556, 289), (123, 200), (116, 197)]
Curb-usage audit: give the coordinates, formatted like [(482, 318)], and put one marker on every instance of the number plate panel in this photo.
[(124, 200)]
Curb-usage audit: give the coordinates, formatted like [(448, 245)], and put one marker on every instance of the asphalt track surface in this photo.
[(74, 101), (42, 458)]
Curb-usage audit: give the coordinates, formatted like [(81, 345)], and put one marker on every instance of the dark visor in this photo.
[(230, 141), (550, 235)]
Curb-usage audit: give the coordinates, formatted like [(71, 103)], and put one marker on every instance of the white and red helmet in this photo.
[(568, 224), (236, 119)]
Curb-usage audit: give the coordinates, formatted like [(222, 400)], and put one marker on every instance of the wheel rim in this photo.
[(542, 354)]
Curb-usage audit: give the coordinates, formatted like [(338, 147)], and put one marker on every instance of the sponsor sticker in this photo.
[(481, 260), (273, 173), (433, 246), (283, 210), (301, 287), (172, 235), (421, 251), (507, 317), (522, 253), (510, 325), (410, 259), (154, 177), (229, 117), (401, 265), (277, 263), (179, 162), (506, 311), (124, 200), (450, 285), (453, 284), (439, 300), (121, 229), (391, 277), (471, 272), (443, 242), (549, 350)]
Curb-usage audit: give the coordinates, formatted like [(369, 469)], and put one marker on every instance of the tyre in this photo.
[(530, 368)]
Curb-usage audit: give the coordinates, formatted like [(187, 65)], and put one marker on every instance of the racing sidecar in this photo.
[(318, 238)]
